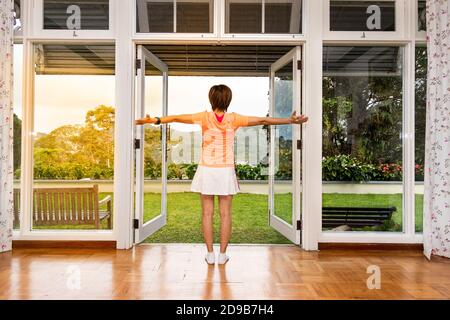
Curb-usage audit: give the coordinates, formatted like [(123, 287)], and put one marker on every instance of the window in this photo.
[(422, 15), (76, 15), (181, 16), (17, 132), (420, 124), (244, 17), (17, 17), (272, 16), (73, 138), (362, 144), (351, 15)]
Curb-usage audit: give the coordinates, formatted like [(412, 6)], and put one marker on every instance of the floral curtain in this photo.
[(436, 222), (6, 124)]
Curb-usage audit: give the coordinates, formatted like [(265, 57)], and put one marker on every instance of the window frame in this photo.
[(315, 18), (398, 34), (38, 31), (26, 231), (408, 234)]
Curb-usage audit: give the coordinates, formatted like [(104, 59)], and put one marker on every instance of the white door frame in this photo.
[(291, 232), (145, 229)]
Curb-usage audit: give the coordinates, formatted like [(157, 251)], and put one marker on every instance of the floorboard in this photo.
[(254, 272)]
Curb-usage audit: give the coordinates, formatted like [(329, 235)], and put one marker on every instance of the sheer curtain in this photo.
[(436, 222), (6, 124)]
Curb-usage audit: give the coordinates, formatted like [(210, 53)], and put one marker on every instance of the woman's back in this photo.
[(218, 137)]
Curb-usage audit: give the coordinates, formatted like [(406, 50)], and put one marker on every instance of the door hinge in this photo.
[(136, 223), (299, 144), (299, 225), (137, 143), (300, 65), (138, 64)]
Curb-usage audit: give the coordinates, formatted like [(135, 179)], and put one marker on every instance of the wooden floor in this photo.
[(254, 272)]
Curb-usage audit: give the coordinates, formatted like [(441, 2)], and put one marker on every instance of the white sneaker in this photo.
[(223, 258), (210, 258)]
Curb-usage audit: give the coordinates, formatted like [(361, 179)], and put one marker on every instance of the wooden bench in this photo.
[(355, 217), (67, 206)]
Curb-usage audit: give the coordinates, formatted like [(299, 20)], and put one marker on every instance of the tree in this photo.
[(78, 151), (363, 117)]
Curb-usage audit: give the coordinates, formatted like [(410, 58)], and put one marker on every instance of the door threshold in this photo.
[(230, 245)]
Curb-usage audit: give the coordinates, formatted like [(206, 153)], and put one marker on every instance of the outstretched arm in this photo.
[(181, 118), (262, 121)]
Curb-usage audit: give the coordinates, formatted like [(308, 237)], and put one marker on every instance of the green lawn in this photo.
[(250, 221)]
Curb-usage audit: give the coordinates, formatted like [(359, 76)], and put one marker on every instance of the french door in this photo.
[(285, 164), (151, 146)]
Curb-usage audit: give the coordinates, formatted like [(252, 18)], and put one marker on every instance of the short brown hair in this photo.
[(220, 97)]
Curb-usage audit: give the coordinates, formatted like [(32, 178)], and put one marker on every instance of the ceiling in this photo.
[(209, 60)]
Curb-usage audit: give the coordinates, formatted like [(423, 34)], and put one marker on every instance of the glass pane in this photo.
[(76, 15), (17, 16), (420, 123), (195, 16), (362, 138), (192, 16), (243, 16), (153, 144), (73, 138), (362, 15), (17, 131), (155, 16), (283, 16), (283, 175), (422, 15)]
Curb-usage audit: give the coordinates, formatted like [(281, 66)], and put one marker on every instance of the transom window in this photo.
[(76, 15), (257, 16), (358, 15), (422, 15), (17, 17), (179, 16)]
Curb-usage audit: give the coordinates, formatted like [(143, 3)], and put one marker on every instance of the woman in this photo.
[(216, 175)]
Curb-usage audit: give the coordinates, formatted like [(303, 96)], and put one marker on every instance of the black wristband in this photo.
[(158, 120)]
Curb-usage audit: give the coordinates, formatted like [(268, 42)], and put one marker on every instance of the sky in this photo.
[(65, 99)]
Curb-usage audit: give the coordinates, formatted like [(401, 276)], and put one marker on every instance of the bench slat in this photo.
[(355, 216), (64, 206)]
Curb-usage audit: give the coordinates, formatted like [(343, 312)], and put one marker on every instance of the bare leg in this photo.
[(207, 220), (225, 221)]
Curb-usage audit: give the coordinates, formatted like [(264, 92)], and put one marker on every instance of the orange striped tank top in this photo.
[(218, 137)]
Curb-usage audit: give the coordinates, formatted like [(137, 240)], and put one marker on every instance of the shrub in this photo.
[(346, 168)]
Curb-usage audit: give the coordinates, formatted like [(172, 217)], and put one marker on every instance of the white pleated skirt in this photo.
[(220, 181)]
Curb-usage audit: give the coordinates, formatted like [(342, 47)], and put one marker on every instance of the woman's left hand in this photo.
[(145, 120), (298, 119)]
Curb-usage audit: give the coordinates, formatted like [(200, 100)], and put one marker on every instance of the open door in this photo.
[(151, 146), (285, 185)]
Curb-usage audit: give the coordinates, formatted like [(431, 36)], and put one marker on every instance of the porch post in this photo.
[(124, 134), (312, 177)]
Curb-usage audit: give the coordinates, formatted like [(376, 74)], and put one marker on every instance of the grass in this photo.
[(250, 220)]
